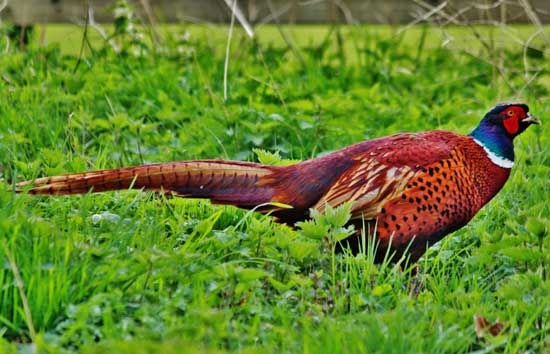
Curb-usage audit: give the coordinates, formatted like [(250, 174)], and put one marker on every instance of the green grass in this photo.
[(137, 273)]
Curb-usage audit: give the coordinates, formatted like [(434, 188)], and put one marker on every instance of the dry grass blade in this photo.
[(151, 18), (533, 17), (424, 17), (285, 36), (227, 49), (236, 12), (3, 5)]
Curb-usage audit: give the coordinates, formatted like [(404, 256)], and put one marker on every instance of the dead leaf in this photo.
[(484, 327)]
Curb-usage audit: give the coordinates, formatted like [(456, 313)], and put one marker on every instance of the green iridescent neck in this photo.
[(494, 138)]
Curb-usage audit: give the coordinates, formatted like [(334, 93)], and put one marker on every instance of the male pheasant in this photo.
[(412, 189)]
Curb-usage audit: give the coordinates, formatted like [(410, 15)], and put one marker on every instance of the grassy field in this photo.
[(132, 272)]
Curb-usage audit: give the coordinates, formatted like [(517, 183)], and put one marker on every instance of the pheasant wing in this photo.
[(385, 171)]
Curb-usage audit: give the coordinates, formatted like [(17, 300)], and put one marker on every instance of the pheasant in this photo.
[(412, 189)]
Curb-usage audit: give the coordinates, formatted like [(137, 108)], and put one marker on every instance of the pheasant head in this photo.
[(499, 127)]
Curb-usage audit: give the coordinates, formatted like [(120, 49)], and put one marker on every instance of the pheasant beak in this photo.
[(531, 119)]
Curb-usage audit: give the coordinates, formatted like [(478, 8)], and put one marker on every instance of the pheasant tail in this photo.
[(224, 182)]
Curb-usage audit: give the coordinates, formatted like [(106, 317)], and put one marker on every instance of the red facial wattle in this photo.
[(511, 119), (511, 125)]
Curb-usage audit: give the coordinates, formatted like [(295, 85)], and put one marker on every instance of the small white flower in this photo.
[(96, 218)]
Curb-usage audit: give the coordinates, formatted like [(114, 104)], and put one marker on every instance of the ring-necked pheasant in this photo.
[(412, 188)]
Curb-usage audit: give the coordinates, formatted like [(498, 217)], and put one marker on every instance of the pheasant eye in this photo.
[(510, 113)]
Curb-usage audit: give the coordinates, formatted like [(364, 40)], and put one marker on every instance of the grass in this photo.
[(132, 272)]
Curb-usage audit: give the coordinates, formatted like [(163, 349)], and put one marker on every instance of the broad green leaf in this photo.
[(313, 229)]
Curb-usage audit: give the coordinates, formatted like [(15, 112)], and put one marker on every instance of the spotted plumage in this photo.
[(409, 190)]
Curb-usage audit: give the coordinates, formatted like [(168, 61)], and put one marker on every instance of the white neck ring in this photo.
[(497, 160)]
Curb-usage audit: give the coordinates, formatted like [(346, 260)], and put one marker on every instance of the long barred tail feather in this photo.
[(242, 184), (226, 182)]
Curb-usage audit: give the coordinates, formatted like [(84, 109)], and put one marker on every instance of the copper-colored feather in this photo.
[(409, 189), (222, 181)]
